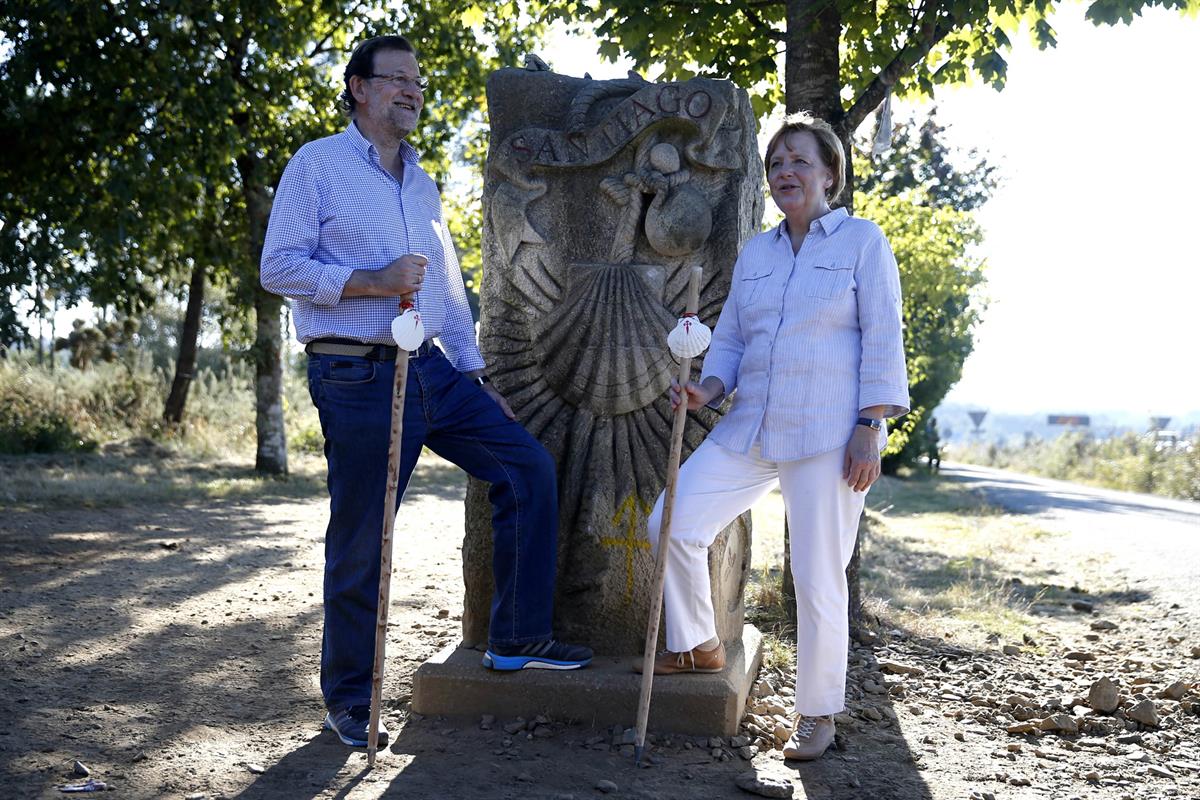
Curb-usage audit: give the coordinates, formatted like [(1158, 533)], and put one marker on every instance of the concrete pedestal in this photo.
[(453, 683)]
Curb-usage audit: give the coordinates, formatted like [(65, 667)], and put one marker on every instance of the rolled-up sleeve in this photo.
[(458, 332), (288, 267), (728, 343), (883, 376)]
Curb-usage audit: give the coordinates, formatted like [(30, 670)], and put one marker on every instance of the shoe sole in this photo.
[(346, 740), (513, 663)]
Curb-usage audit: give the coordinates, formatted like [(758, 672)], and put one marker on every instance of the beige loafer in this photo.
[(695, 660)]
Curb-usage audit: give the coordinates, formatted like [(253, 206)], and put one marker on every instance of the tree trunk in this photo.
[(185, 364), (812, 82), (271, 454)]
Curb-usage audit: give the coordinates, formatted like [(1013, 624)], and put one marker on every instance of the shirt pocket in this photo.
[(752, 284), (831, 281)]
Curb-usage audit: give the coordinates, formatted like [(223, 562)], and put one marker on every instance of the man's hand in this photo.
[(862, 465), (402, 278), (500, 401)]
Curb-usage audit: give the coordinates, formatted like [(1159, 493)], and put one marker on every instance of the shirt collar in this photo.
[(361, 144), (829, 222)]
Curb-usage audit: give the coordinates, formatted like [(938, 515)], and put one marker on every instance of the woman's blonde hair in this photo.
[(828, 143)]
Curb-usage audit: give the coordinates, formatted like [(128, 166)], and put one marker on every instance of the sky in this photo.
[(1092, 263)]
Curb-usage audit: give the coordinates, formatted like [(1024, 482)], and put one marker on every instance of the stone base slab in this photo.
[(453, 683)]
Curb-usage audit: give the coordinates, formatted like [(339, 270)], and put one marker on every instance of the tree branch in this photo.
[(928, 33), (757, 22), (319, 47)]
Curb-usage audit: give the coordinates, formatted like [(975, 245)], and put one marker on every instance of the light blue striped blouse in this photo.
[(337, 210), (807, 340)]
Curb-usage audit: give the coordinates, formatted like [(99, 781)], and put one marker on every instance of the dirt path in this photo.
[(173, 650)]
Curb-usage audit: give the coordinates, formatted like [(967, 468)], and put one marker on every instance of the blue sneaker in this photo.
[(350, 725), (546, 654)]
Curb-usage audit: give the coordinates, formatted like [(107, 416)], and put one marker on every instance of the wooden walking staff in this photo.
[(409, 333), (688, 339)]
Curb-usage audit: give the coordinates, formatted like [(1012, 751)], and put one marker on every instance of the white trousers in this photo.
[(715, 486)]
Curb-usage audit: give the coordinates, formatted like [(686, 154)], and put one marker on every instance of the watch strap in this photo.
[(873, 424)]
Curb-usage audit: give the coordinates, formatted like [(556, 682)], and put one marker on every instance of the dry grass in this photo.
[(937, 562)]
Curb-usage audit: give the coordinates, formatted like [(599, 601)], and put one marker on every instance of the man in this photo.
[(357, 225)]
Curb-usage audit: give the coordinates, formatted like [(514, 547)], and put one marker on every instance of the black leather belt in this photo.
[(349, 347)]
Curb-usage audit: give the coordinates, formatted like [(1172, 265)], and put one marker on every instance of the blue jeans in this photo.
[(447, 412)]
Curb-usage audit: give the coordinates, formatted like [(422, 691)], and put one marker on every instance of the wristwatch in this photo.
[(481, 380), (873, 424)]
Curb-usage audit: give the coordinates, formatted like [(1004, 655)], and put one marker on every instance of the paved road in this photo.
[(1156, 541)]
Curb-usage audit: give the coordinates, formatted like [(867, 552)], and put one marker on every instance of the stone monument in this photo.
[(599, 197)]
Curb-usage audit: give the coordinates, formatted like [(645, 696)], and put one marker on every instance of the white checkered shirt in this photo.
[(809, 339), (337, 210)]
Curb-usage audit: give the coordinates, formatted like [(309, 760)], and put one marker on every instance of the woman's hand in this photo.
[(698, 394), (861, 467)]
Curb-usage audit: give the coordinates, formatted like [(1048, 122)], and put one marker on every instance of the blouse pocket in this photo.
[(831, 281), (752, 284)]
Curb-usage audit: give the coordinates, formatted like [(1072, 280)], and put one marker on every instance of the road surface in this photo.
[(1154, 540)]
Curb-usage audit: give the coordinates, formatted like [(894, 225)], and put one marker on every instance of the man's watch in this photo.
[(873, 424), (481, 380)]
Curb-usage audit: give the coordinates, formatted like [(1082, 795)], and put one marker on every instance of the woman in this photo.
[(810, 337)]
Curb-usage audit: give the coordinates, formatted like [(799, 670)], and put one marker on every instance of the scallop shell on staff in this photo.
[(408, 330), (689, 338)]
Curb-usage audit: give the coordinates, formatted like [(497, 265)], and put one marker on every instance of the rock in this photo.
[(1144, 712), (443, 613), (255, 769), (739, 741), (1104, 625), (1161, 772), (1103, 696), (1061, 723), (1080, 655), (896, 668), (525, 777), (194, 796), (628, 736), (486, 722), (764, 785), (1021, 727), (748, 752), (872, 713), (515, 727), (1196, 652), (1011, 650), (871, 687), (1092, 777), (1175, 691), (1082, 606), (79, 769), (715, 742), (782, 732), (608, 787)]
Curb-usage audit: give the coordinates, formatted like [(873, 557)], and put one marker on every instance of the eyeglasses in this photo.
[(401, 81)]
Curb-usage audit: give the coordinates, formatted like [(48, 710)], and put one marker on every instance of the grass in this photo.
[(937, 561)]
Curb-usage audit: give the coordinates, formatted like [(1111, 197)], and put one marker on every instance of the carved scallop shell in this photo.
[(408, 330), (602, 348), (689, 338)]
